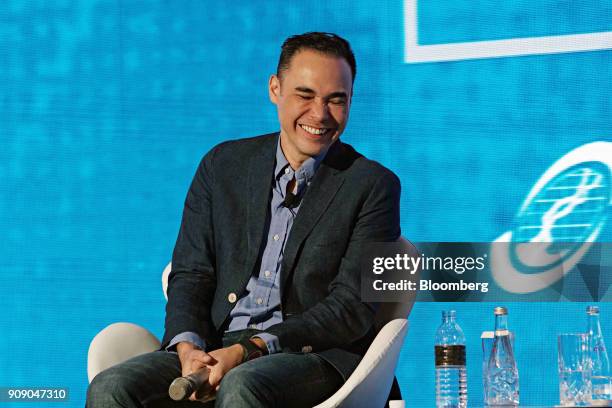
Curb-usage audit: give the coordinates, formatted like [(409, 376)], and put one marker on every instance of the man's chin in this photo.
[(315, 148), (313, 151)]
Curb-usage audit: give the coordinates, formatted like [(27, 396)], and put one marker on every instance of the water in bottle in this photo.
[(451, 376), (502, 373), (600, 379)]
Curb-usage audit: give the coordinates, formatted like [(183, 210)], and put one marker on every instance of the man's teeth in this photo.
[(314, 131)]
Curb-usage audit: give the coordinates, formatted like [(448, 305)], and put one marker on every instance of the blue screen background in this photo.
[(106, 108)]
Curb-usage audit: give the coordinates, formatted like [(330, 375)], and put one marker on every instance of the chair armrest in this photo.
[(117, 343), (369, 385)]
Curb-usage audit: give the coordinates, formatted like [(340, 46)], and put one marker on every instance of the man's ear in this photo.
[(274, 88)]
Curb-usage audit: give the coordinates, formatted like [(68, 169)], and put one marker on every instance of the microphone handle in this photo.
[(182, 387)]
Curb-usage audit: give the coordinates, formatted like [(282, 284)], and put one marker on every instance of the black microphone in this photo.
[(182, 387), (291, 200)]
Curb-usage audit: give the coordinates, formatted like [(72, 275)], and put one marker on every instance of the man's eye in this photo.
[(338, 101), (305, 97)]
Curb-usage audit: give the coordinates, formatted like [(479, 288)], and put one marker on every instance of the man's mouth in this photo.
[(314, 130)]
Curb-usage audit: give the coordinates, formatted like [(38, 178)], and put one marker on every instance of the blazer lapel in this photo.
[(317, 198)]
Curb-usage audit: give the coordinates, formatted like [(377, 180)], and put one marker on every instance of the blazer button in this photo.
[(231, 297), (306, 349)]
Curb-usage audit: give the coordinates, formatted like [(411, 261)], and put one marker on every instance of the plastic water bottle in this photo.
[(599, 356), (502, 373), (451, 376)]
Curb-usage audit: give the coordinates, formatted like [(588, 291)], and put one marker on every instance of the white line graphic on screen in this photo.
[(553, 44), (560, 218), (564, 206)]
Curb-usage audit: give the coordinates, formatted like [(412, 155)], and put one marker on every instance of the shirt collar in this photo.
[(305, 172)]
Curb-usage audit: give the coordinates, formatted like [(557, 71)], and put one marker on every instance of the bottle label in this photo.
[(450, 355)]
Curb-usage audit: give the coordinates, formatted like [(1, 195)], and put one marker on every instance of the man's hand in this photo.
[(194, 359), (219, 362), (226, 359)]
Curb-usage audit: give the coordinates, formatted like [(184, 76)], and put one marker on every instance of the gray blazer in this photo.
[(351, 201)]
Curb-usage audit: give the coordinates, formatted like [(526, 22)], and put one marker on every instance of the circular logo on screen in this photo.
[(560, 218)]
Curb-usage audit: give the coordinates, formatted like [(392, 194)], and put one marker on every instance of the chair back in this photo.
[(164, 278)]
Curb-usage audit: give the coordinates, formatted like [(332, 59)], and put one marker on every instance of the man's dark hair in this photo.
[(326, 43)]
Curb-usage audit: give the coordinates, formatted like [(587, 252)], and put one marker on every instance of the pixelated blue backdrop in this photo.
[(107, 106)]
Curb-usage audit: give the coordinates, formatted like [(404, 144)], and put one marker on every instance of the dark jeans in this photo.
[(279, 380)]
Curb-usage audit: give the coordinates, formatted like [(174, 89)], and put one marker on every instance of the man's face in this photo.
[(313, 100)]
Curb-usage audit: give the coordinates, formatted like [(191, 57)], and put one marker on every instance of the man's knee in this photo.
[(110, 388), (135, 382), (243, 386)]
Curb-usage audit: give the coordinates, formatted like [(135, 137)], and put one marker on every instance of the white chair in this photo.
[(367, 387), (370, 383)]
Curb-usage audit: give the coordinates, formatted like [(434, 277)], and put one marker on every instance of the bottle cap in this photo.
[(500, 310), (448, 313), (593, 310)]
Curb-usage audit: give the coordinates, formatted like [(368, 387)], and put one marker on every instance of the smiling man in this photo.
[(264, 291), (312, 91)]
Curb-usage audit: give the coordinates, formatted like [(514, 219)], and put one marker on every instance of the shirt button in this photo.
[(259, 301), (231, 297), (306, 349), (253, 326), (287, 171), (267, 274), (276, 237)]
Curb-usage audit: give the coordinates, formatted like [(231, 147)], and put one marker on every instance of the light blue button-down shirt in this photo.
[(259, 307)]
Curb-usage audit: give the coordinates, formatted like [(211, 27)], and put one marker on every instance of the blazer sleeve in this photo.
[(192, 281), (342, 318)]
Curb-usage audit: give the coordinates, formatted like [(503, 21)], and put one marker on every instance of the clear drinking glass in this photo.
[(574, 370)]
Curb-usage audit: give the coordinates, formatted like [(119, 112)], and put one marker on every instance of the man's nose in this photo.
[(319, 109)]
